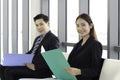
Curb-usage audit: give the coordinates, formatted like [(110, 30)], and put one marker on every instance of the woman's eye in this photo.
[(82, 24)]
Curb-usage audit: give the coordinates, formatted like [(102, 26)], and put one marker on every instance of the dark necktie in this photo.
[(36, 44)]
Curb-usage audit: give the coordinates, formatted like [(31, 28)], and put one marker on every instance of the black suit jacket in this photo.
[(49, 42), (87, 58)]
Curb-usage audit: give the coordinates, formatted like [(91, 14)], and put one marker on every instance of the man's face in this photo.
[(41, 26)]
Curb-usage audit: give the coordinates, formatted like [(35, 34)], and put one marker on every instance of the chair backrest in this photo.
[(110, 70)]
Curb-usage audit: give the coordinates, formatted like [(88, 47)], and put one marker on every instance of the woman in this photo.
[(85, 58)]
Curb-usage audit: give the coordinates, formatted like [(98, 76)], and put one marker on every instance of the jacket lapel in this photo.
[(45, 40)]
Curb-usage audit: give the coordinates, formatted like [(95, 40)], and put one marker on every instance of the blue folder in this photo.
[(17, 59), (57, 63)]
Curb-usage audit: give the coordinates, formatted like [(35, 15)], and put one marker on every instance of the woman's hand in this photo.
[(73, 71), (30, 66)]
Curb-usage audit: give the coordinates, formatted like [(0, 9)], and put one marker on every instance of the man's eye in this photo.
[(77, 25), (36, 25), (41, 24)]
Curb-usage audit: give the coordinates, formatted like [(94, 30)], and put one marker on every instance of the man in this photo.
[(38, 68)]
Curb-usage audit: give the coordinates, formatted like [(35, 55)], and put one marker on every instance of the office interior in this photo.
[(17, 29)]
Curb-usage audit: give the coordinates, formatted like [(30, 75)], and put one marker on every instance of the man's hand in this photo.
[(30, 66)]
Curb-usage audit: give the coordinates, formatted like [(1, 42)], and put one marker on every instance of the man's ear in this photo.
[(48, 23)]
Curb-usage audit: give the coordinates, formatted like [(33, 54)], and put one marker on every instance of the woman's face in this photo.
[(83, 28), (41, 26)]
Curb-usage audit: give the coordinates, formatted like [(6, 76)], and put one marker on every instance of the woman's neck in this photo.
[(85, 38)]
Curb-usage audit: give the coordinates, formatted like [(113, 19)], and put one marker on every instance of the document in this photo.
[(17, 59), (57, 63)]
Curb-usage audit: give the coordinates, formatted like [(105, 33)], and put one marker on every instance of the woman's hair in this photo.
[(41, 16), (87, 18)]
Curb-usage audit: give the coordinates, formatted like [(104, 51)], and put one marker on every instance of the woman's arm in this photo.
[(74, 71)]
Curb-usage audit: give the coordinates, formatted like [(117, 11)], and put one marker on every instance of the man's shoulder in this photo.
[(50, 34)]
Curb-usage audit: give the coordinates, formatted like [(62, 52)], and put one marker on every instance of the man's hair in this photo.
[(41, 16)]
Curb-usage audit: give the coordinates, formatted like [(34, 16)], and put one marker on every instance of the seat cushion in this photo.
[(110, 70)]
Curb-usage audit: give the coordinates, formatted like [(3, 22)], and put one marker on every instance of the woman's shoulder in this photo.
[(96, 44)]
